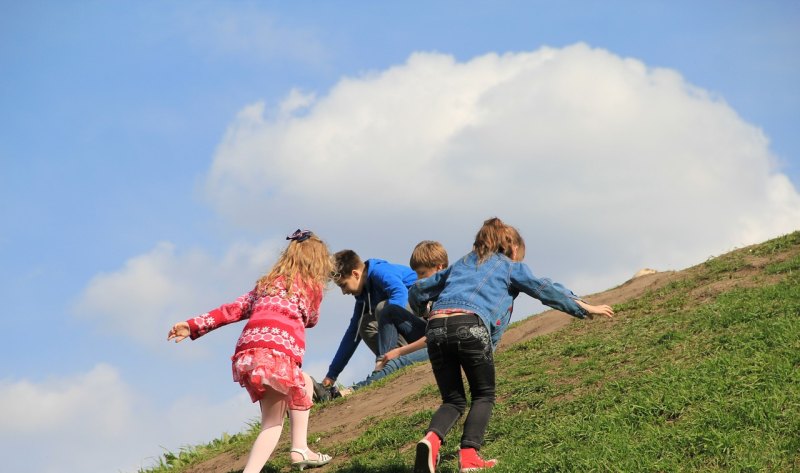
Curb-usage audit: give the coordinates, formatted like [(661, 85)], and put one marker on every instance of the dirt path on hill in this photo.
[(343, 421)]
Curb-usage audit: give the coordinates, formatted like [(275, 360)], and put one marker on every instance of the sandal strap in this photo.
[(301, 452), (320, 460)]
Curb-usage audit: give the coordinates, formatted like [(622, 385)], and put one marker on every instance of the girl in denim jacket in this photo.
[(471, 302)]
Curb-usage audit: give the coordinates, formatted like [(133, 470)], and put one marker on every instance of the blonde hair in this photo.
[(307, 262), (493, 237), (428, 254)]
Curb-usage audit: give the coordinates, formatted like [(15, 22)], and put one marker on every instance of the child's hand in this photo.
[(604, 310), (389, 355), (179, 331)]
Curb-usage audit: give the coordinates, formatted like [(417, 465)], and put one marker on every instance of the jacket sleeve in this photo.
[(392, 284), (550, 293), (425, 290), (348, 345), (237, 310)]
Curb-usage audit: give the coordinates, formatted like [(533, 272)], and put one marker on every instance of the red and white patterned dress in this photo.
[(270, 349)]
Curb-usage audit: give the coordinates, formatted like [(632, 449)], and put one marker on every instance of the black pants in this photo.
[(456, 343)]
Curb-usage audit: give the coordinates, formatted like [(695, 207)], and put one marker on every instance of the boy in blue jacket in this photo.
[(377, 285)]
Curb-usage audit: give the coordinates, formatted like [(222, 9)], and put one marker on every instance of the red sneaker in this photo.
[(469, 460), (427, 453)]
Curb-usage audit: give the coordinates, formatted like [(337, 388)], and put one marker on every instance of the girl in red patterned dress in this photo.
[(270, 350)]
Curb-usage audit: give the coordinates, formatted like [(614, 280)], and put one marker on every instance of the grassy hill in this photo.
[(699, 371)]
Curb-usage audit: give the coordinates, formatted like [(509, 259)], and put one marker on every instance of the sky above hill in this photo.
[(154, 155)]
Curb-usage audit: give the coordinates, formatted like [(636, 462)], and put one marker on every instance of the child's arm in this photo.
[(553, 294), (400, 351), (223, 315), (347, 346), (311, 316), (425, 290)]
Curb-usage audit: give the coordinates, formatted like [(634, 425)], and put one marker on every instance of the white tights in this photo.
[(273, 409)]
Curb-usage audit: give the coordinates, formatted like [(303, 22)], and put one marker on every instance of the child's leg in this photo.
[(273, 410), (298, 422), (481, 378), (443, 343), (395, 321), (368, 330), (478, 362)]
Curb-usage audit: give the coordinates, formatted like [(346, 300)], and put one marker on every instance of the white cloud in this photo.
[(95, 421), (58, 404), (605, 165), (153, 290)]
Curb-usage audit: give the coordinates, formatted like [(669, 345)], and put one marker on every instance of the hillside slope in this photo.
[(698, 371)]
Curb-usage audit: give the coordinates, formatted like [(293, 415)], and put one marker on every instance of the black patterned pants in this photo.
[(456, 343)]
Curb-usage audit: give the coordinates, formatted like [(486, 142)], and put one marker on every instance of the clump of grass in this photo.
[(788, 266), (776, 245), (191, 455)]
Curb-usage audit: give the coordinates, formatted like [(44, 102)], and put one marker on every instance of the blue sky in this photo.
[(154, 154)]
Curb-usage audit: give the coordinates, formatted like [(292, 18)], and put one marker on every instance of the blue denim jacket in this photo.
[(489, 289)]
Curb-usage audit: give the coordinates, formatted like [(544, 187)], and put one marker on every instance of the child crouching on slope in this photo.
[(471, 300), (270, 350)]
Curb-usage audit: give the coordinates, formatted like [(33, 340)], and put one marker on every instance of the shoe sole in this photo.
[(475, 469), (423, 461)]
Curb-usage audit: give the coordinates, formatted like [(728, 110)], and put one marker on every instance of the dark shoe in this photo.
[(469, 461), (427, 453), (321, 393)]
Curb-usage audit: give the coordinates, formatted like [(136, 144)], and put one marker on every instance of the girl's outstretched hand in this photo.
[(179, 331), (604, 310)]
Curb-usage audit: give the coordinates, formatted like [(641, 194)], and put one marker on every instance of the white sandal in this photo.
[(322, 459)]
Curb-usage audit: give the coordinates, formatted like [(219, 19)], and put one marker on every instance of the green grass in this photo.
[(684, 379), (192, 455)]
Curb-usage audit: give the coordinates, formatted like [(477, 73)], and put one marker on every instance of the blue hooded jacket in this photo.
[(385, 282)]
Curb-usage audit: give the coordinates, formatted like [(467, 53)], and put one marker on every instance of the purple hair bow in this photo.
[(300, 235)]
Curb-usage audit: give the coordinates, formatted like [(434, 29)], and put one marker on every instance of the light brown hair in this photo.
[(428, 254), (493, 237), (515, 242), (307, 262)]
